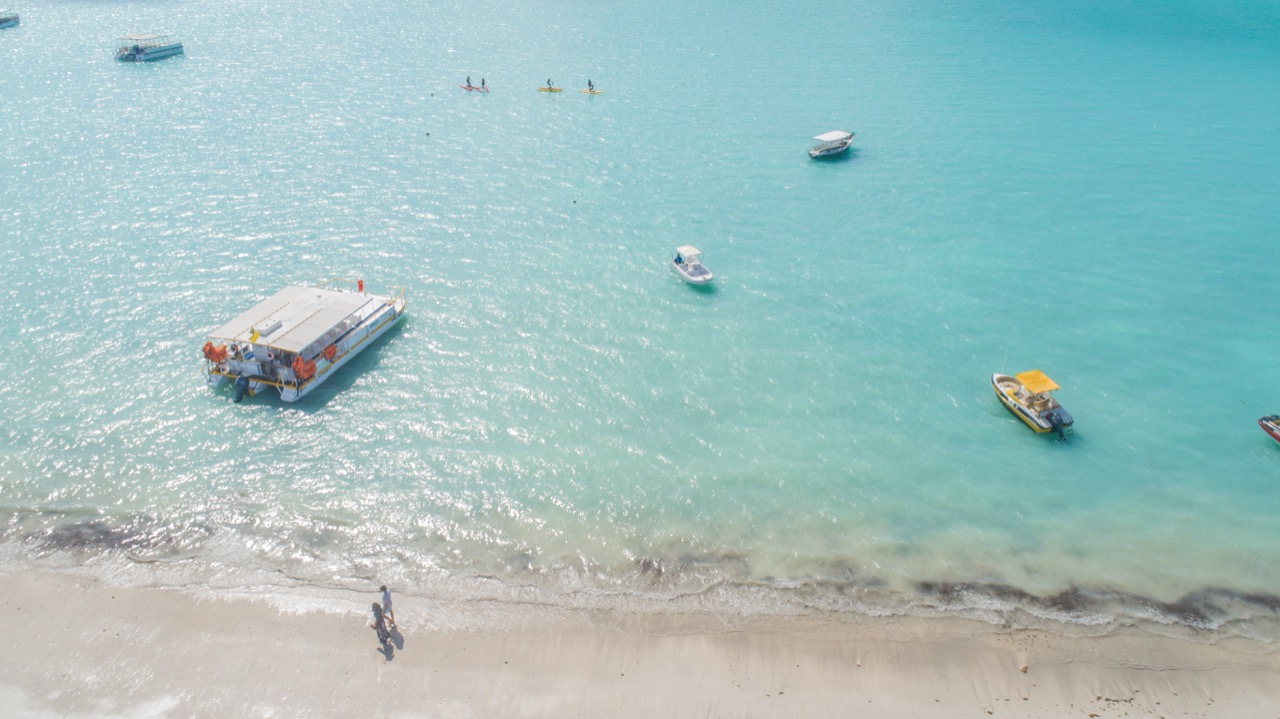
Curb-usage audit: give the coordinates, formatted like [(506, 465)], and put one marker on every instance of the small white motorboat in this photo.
[(831, 143), (8, 19), (688, 265), (1027, 396)]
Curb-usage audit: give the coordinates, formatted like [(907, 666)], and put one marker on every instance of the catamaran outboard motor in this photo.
[(242, 387), (1061, 421)]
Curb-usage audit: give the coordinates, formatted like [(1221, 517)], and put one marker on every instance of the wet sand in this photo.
[(76, 647)]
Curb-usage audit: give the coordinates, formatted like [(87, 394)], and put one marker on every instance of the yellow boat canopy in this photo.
[(1036, 381)]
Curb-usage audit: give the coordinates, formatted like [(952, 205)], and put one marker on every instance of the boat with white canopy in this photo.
[(147, 48), (688, 265), (831, 143), (8, 19), (295, 339)]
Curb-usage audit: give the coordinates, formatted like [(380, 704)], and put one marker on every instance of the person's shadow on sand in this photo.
[(397, 638), (386, 641)]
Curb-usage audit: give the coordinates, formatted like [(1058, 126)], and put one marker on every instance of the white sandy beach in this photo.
[(75, 647)]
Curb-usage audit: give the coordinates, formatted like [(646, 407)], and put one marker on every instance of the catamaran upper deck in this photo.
[(295, 318)]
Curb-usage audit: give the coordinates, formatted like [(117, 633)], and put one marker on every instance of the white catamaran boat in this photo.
[(295, 339), (688, 265), (146, 48), (831, 143)]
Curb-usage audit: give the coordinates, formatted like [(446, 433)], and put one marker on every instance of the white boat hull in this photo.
[(149, 54), (829, 151), (694, 275)]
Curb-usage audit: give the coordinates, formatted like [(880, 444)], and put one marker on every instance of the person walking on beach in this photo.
[(386, 605)]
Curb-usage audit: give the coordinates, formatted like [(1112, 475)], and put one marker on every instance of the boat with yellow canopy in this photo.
[(1027, 396)]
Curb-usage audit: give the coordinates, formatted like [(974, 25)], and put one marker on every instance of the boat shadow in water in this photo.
[(347, 375)]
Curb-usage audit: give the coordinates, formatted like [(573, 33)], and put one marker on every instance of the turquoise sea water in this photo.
[(1088, 188)]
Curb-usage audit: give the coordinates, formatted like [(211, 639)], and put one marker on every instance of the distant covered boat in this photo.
[(8, 19), (831, 143), (1027, 396), (1271, 425), (147, 48), (295, 339), (688, 265)]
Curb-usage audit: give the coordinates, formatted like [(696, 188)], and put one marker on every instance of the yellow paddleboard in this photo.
[(550, 89), (591, 92)]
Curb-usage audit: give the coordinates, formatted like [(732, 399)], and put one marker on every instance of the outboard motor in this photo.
[(1061, 421), (242, 387)]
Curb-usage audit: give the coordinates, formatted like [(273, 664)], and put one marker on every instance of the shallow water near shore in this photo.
[(1089, 191)]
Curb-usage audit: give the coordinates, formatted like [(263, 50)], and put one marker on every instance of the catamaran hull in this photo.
[(293, 394), (151, 54)]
